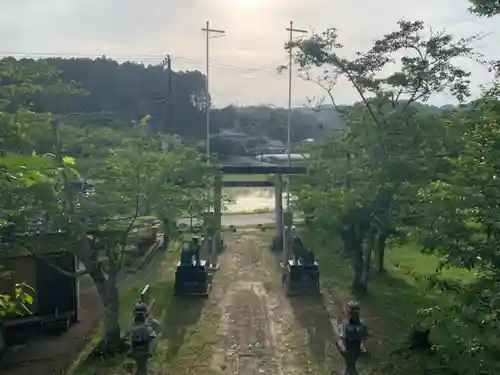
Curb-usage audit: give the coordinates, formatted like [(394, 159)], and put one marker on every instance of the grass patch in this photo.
[(244, 160), (159, 274), (188, 330), (393, 305), (246, 177), (250, 212)]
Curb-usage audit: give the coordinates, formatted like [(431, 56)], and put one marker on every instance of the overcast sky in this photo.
[(243, 63)]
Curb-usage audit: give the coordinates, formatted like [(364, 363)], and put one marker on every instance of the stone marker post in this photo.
[(210, 228), (350, 343), (288, 223), (142, 339), (216, 245), (278, 208)]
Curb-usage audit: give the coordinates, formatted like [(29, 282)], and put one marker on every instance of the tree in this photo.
[(17, 174), (485, 8), (459, 225), (98, 224), (121, 93), (383, 153), (23, 174), (176, 182), (93, 224)]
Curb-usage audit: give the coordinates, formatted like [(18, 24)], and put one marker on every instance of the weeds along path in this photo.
[(247, 326)]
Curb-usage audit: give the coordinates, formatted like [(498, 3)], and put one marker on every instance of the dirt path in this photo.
[(248, 326)]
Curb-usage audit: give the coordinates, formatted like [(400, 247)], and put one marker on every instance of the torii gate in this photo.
[(282, 219)]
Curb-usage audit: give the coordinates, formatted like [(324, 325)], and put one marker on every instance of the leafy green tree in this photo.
[(19, 173), (485, 8), (23, 174), (177, 178), (129, 181), (382, 154), (121, 93), (458, 211), (128, 175)]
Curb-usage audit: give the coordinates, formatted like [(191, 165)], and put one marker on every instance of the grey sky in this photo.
[(245, 60)]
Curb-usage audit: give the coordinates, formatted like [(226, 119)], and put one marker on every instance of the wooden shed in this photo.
[(55, 296)]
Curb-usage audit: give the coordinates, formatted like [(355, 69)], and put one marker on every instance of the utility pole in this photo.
[(169, 92), (289, 122), (208, 31), (288, 216)]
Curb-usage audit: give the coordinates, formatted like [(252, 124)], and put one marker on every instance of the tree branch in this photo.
[(134, 218), (55, 267)]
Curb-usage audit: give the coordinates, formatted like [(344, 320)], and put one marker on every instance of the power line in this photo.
[(291, 31), (260, 72), (208, 31), (127, 57)]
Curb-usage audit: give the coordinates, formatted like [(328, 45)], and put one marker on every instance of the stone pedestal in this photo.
[(217, 213), (278, 206), (350, 345), (141, 363)]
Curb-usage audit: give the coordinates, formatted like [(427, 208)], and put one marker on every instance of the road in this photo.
[(241, 220)]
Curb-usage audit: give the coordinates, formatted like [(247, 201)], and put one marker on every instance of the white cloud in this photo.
[(255, 35)]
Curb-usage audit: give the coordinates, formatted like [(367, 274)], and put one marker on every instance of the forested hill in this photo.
[(117, 94)]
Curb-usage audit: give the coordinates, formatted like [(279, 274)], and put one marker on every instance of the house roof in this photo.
[(232, 133)]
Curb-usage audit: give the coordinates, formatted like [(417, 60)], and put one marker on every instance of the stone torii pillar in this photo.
[(278, 206), (287, 236), (216, 244), (208, 233)]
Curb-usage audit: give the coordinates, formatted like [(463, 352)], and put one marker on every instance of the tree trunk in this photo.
[(380, 252), (108, 291), (348, 236), (353, 248), (367, 260), (357, 265), (147, 208), (167, 232), (344, 235)]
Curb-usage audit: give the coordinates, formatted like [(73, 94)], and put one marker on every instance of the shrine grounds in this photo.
[(248, 326)]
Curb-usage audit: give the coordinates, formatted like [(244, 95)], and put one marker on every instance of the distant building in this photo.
[(270, 146), (308, 141), (232, 133), (281, 158)]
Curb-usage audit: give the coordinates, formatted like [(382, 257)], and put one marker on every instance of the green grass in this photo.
[(188, 333), (394, 304), (251, 212), (244, 160), (246, 177), (159, 275)]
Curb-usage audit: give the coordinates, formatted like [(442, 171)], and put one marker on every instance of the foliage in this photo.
[(262, 123), (26, 179), (374, 166), (485, 8), (116, 95), (18, 303), (121, 93), (460, 226), (399, 172), (42, 189)]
